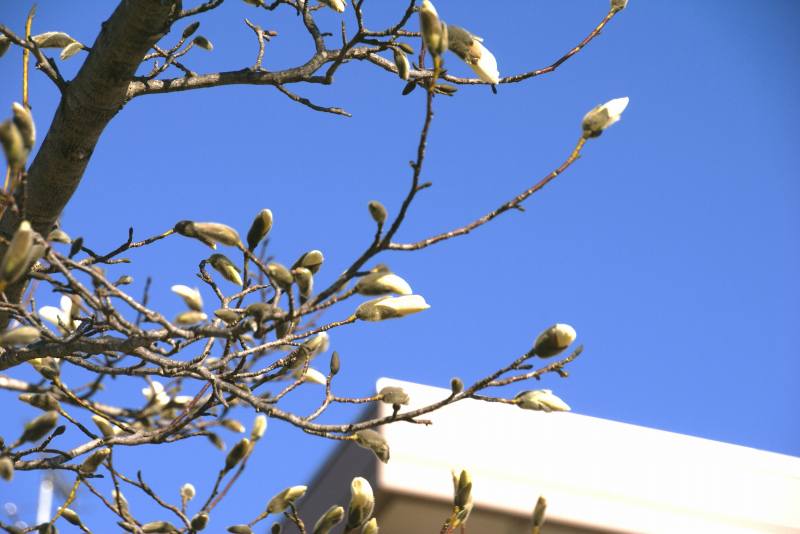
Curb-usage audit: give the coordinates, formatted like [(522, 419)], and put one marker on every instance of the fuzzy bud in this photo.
[(6, 468), (39, 427), (43, 401), (456, 386), (259, 427), (382, 283), (335, 364), (24, 123), (72, 516), (94, 460), (280, 276), (189, 30), (370, 527), (403, 68), (13, 146), (261, 226), (376, 209), (227, 315), (237, 453), (190, 317), (362, 503), (233, 425), (159, 527), (332, 517), (539, 514), (603, 116), (23, 335), (304, 280), (187, 492), (106, 428), (541, 400), (393, 395), (434, 32), (70, 50), (554, 340), (224, 266), (618, 5), (203, 43), (311, 260), (17, 257), (391, 307), (282, 500), (374, 441), (191, 296), (240, 529), (200, 521)]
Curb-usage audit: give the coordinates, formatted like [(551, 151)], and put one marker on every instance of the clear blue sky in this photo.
[(672, 245)]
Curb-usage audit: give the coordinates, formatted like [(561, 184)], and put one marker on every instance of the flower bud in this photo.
[(382, 283), (72, 516), (393, 395), (224, 266), (124, 280), (190, 317), (238, 452), (216, 441), (43, 401), (6, 468), (456, 385), (233, 425), (362, 503), (58, 235), (199, 521), (462, 489), (391, 307), (47, 367), (618, 5), (13, 146), (240, 529), (403, 69), (228, 315), (332, 517), (554, 340), (187, 492), (106, 428), (5, 43), (208, 232), (539, 513), (203, 43), (24, 123), (275, 529), (305, 281), (159, 527), (94, 460), (38, 428), (434, 32), (335, 364), (191, 296), (259, 427), (16, 259), (261, 226), (603, 116), (336, 5), (311, 260), (70, 50), (189, 30), (370, 527), (280, 275), (374, 441), (540, 399), (23, 335), (376, 209), (282, 500)]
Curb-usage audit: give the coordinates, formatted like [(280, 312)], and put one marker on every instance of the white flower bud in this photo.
[(332, 517), (554, 340), (381, 283), (23, 335), (187, 492), (336, 5), (603, 116), (362, 503), (282, 500), (259, 427), (542, 400), (191, 296), (391, 307)]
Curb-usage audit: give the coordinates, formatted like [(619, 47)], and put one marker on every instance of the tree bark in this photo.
[(87, 105)]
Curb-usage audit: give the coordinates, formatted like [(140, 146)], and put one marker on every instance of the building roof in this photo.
[(597, 475)]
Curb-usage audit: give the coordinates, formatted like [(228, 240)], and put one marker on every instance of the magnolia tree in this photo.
[(257, 344)]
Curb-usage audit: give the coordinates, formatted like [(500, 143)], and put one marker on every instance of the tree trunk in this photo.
[(87, 105)]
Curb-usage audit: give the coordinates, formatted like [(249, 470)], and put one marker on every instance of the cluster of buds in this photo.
[(462, 499)]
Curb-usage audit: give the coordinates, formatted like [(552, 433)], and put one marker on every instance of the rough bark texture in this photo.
[(87, 105)]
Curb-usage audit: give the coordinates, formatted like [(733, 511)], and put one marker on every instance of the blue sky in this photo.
[(671, 245)]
